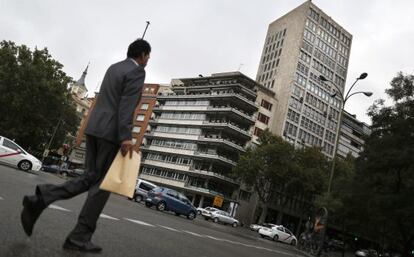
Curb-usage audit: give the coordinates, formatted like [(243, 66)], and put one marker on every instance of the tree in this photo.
[(34, 96), (384, 180), (276, 171)]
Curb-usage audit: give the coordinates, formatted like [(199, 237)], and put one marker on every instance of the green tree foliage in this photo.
[(384, 180), (33, 97), (277, 171)]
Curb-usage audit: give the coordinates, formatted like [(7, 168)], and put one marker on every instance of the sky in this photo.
[(206, 36)]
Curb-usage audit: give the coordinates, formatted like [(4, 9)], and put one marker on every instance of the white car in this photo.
[(206, 212), (224, 217), (12, 154), (256, 227), (279, 233)]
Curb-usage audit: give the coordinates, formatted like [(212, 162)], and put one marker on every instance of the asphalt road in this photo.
[(125, 228)]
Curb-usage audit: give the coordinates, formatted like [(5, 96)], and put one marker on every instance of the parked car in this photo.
[(14, 155), (224, 217), (51, 168), (366, 253), (279, 233), (206, 212), (166, 199), (256, 227), (141, 190)]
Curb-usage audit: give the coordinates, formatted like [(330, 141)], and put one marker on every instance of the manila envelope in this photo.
[(121, 177)]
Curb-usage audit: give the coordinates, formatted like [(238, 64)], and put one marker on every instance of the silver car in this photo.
[(224, 217)]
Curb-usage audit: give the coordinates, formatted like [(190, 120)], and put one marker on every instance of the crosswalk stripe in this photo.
[(172, 229), (140, 222), (52, 206), (107, 217)]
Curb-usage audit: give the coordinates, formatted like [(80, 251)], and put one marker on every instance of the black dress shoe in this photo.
[(32, 208), (71, 244)]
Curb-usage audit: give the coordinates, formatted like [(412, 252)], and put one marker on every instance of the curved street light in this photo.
[(344, 98)]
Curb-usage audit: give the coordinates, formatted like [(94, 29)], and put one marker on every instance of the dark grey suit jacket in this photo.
[(112, 116)]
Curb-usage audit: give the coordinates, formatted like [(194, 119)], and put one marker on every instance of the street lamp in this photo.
[(344, 98)]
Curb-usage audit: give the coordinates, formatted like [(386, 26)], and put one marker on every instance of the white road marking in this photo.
[(140, 222), (192, 233), (107, 217), (52, 206), (1, 198), (172, 229)]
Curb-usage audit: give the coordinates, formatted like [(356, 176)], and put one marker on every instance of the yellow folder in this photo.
[(121, 177)]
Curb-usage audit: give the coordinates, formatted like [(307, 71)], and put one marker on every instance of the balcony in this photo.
[(214, 156), (176, 122), (179, 108), (213, 174), (227, 124), (166, 165), (162, 149), (240, 113), (171, 135), (220, 140), (208, 96)]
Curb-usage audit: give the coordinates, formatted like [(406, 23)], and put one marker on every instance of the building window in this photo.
[(266, 105), (140, 117), (136, 129), (263, 118), (257, 131), (144, 106)]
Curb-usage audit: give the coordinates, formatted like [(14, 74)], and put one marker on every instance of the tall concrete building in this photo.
[(299, 47), (196, 136), (352, 136)]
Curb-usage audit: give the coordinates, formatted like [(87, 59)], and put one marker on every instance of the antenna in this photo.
[(143, 35)]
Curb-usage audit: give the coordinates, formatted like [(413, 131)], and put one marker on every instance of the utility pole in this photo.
[(143, 35), (51, 139)]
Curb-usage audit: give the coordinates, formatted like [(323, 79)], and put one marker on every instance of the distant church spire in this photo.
[(81, 81)]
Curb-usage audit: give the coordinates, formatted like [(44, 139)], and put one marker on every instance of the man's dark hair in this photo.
[(138, 47)]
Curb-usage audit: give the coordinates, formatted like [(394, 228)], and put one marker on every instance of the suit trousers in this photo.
[(99, 156)]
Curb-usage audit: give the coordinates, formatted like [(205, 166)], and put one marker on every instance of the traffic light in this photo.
[(356, 239)]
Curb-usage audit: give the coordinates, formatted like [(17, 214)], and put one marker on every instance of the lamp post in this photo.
[(344, 98)]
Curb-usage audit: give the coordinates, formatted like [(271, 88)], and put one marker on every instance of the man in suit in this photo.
[(109, 130)]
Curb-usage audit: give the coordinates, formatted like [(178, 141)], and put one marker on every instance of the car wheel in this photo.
[(191, 215), (234, 224), (215, 220), (148, 204), (293, 242), (161, 206), (138, 198), (25, 165), (276, 238), (262, 235)]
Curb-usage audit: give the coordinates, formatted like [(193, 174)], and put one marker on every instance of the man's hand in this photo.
[(126, 147)]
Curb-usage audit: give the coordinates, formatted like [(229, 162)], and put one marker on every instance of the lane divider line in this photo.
[(52, 206), (139, 222), (172, 229), (103, 215), (1, 198)]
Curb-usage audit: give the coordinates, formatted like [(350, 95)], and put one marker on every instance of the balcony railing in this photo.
[(208, 95), (215, 157), (214, 174), (230, 125), (222, 140)]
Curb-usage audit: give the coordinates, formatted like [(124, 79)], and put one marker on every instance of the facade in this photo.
[(196, 136), (143, 113), (299, 47), (351, 139), (83, 104), (143, 110)]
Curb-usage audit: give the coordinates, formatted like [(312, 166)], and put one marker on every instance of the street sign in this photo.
[(218, 201), (46, 153)]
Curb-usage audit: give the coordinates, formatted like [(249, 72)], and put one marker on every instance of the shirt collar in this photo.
[(134, 62)]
